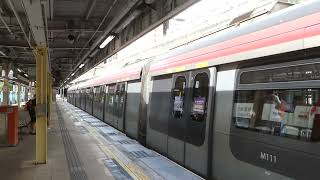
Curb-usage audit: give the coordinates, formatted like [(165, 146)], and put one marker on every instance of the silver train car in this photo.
[(243, 103)]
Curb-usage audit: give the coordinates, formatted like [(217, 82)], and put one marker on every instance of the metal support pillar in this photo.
[(5, 89), (19, 96), (49, 98), (42, 104), (5, 92), (26, 93)]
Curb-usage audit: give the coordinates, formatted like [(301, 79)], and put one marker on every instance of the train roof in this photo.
[(228, 45), (127, 73), (203, 52)]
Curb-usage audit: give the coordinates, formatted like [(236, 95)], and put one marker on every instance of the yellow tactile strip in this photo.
[(132, 169)]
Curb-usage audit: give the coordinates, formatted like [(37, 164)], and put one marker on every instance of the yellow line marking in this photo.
[(130, 168)]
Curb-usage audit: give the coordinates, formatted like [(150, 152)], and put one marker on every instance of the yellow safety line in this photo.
[(131, 169)]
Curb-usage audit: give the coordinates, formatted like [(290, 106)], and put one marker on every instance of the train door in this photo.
[(106, 117), (116, 106), (121, 95), (132, 109), (89, 100), (101, 102), (83, 99), (197, 119), (96, 94), (177, 118), (78, 99), (110, 106)]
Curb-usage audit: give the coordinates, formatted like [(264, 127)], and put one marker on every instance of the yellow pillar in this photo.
[(41, 108), (49, 98)]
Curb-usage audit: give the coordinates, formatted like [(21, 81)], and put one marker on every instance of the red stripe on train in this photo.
[(304, 27)]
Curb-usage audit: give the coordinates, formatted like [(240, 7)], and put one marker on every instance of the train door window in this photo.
[(160, 102), (101, 98), (179, 96), (196, 122), (200, 92), (122, 96), (96, 94), (110, 96)]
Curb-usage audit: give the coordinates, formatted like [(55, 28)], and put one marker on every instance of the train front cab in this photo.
[(269, 124), (179, 117)]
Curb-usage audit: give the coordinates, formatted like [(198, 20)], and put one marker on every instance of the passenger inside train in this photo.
[(286, 113)]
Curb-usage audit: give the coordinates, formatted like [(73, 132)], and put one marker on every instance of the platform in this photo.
[(81, 147)]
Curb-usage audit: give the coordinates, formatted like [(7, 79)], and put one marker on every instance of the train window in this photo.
[(178, 96), (292, 113), (200, 94), (123, 88), (160, 101), (101, 98), (96, 94), (122, 94)]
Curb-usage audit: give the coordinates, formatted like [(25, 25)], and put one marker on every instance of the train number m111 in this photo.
[(268, 157)]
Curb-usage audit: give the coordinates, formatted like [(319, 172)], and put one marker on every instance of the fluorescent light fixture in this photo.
[(19, 69), (81, 65), (26, 74), (105, 42), (72, 74)]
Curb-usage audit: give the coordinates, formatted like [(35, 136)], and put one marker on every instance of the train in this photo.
[(242, 103)]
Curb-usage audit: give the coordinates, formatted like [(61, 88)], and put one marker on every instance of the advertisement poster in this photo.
[(243, 110), (199, 105), (303, 116), (270, 113), (178, 103)]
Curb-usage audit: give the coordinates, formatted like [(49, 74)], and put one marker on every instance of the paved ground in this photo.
[(81, 147), (17, 162)]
